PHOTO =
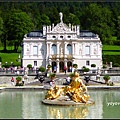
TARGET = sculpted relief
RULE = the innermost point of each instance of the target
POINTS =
(28, 49)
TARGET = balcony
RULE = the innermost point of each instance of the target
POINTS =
(63, 56)
(69, 57)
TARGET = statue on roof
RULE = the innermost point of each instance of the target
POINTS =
(61, 16)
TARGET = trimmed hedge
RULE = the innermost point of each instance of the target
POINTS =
(115, 59)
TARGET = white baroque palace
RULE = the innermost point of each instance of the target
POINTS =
(60, 46)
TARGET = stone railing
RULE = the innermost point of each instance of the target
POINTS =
(55, 56)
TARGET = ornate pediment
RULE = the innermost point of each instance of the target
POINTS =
(61, 28)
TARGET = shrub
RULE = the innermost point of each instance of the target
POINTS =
(72, 75)
(52, 75)
(106, 77)
(93, 65)
(116, 65)
(75, 65)
(86, 69)
(6, 66)
(104, 66)
(49, 66)
(41, 69)
(18, 78)
(83, 67)
(29, 66)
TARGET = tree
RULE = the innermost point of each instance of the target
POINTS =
(98, 20)
(118, 27)
(73, 19)
(45, 20)
(1, 26)
(19, 24)
(2, 31)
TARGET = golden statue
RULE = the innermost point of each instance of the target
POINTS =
(76, 90)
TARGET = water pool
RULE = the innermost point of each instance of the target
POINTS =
(27, 104)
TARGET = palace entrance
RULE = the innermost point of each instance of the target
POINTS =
(54, 66)
(69, 63)
(61, 66)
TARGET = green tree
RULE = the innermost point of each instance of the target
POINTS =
(118, 27)
(98, 20)
(19, 24)
(1, 26)
(2, 31)
(45, 20)
(73, 19)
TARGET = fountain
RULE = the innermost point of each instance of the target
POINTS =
(75, 93)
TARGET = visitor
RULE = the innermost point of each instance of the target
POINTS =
(52, 82)
(55, 69)
(23, 80)
(68, 80)
(12, 81)
(65, 68)
(70, 69)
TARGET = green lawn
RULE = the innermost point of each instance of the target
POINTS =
(10, 57)
(110, 47)
(111, 50)
(111, 53)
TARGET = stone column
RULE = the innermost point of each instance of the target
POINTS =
(58, 45)
(50, 50)
(65, 48)
(65, 62)
(50, 62)
(73, 48)
(47, 49)
(57, 65)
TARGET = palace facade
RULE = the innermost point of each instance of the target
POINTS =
(61, 45)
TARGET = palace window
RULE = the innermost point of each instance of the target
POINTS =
(69, 49)
(87, 50)
(87, 62)
(35, 50)
(69, 36)
(35, 63)
(61, 36)
(54, 49)
(54, 36)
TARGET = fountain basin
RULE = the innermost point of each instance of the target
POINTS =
(64, 101)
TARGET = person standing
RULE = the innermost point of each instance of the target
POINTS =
(68, 80)
(12, 81)
(23, 80)
(65, 68)
(70, 69)
(55, 68)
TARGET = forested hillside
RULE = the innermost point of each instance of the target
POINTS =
(19, 18)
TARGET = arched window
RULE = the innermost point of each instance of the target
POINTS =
(54, 49)
(69, 49)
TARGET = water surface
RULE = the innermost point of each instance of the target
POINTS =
(27, 104)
